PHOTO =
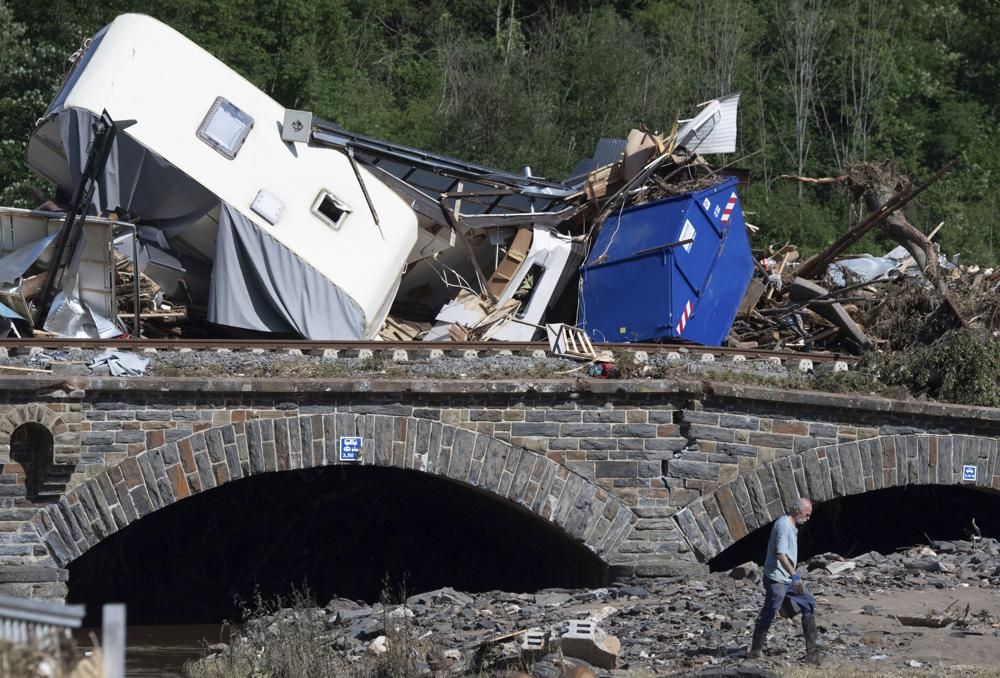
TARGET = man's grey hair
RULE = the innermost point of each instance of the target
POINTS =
(798, 506)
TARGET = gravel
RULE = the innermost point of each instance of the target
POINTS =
(673, 626)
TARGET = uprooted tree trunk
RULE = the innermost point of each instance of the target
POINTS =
(876, 184)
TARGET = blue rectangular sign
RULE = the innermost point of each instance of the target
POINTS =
(350, 448)
(969, 472)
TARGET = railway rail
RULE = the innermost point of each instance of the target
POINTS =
(417, 348)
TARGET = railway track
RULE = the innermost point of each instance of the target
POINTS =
(416, 348)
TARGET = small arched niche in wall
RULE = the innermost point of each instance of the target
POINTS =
(31, 447)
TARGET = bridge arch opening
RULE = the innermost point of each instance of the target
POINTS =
(340, 531)
(880, 520)
(31, 447)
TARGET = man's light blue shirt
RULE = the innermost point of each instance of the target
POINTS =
(784, 539)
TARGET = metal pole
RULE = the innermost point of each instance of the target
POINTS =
(364, 189)
(136, 329)
(113, 640)
(452, 220)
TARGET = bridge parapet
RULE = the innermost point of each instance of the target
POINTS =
(753, 499)
(653, 476)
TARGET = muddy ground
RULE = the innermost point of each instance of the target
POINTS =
(873, 615)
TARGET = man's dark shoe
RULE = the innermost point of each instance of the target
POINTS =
(757, 644)
(813, 655)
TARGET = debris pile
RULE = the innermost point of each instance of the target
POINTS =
(141, 303)
(923, 606)
(585, 261)
(264, 221)
(850, 303)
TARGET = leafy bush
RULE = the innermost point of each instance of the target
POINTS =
(960, 367)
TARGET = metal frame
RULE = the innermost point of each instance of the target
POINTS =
(25, 621)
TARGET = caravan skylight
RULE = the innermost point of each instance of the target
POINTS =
(225, 128)
(330, 210)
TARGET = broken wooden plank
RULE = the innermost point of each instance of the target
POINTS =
(805, 291)
(508, 268)
(930, 622)
(11, 368)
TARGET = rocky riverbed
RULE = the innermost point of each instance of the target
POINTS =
(931, 609)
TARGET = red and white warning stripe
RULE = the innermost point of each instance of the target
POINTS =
(688, 308)
(729, 208)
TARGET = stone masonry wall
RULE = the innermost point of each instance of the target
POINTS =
(657, 447)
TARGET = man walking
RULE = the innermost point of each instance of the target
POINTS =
(783, 585)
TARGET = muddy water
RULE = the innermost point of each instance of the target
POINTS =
(160, 651)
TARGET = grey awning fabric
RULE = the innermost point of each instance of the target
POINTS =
(259, 284)
(134, 179)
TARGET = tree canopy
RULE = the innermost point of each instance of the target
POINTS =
(514, 83)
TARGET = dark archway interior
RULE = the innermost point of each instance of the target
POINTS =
(337, 531)
(31, 447)
(882, 520)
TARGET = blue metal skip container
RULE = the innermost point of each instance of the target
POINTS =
(640, 284)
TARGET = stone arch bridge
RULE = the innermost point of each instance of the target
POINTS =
(652, 477)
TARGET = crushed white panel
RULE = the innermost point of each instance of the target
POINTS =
(70, 315)
(465, 311)
(85, 306)
(713, 130)
(551, 251)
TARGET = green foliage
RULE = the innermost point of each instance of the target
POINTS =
(960, 367)
(512, 83)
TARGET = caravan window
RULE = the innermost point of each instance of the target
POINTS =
(330, 210)
(526, 289)
(225, 128)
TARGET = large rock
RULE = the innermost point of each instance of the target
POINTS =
(584, 640)
(837, 568)
(748, 570)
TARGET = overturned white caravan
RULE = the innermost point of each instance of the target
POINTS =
(259, 220)
(268, 235)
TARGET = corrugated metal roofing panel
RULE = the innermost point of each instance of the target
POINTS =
(607, 151)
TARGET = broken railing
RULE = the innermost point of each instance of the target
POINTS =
(41, 624)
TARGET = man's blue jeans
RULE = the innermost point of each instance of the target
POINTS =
(777, 593)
